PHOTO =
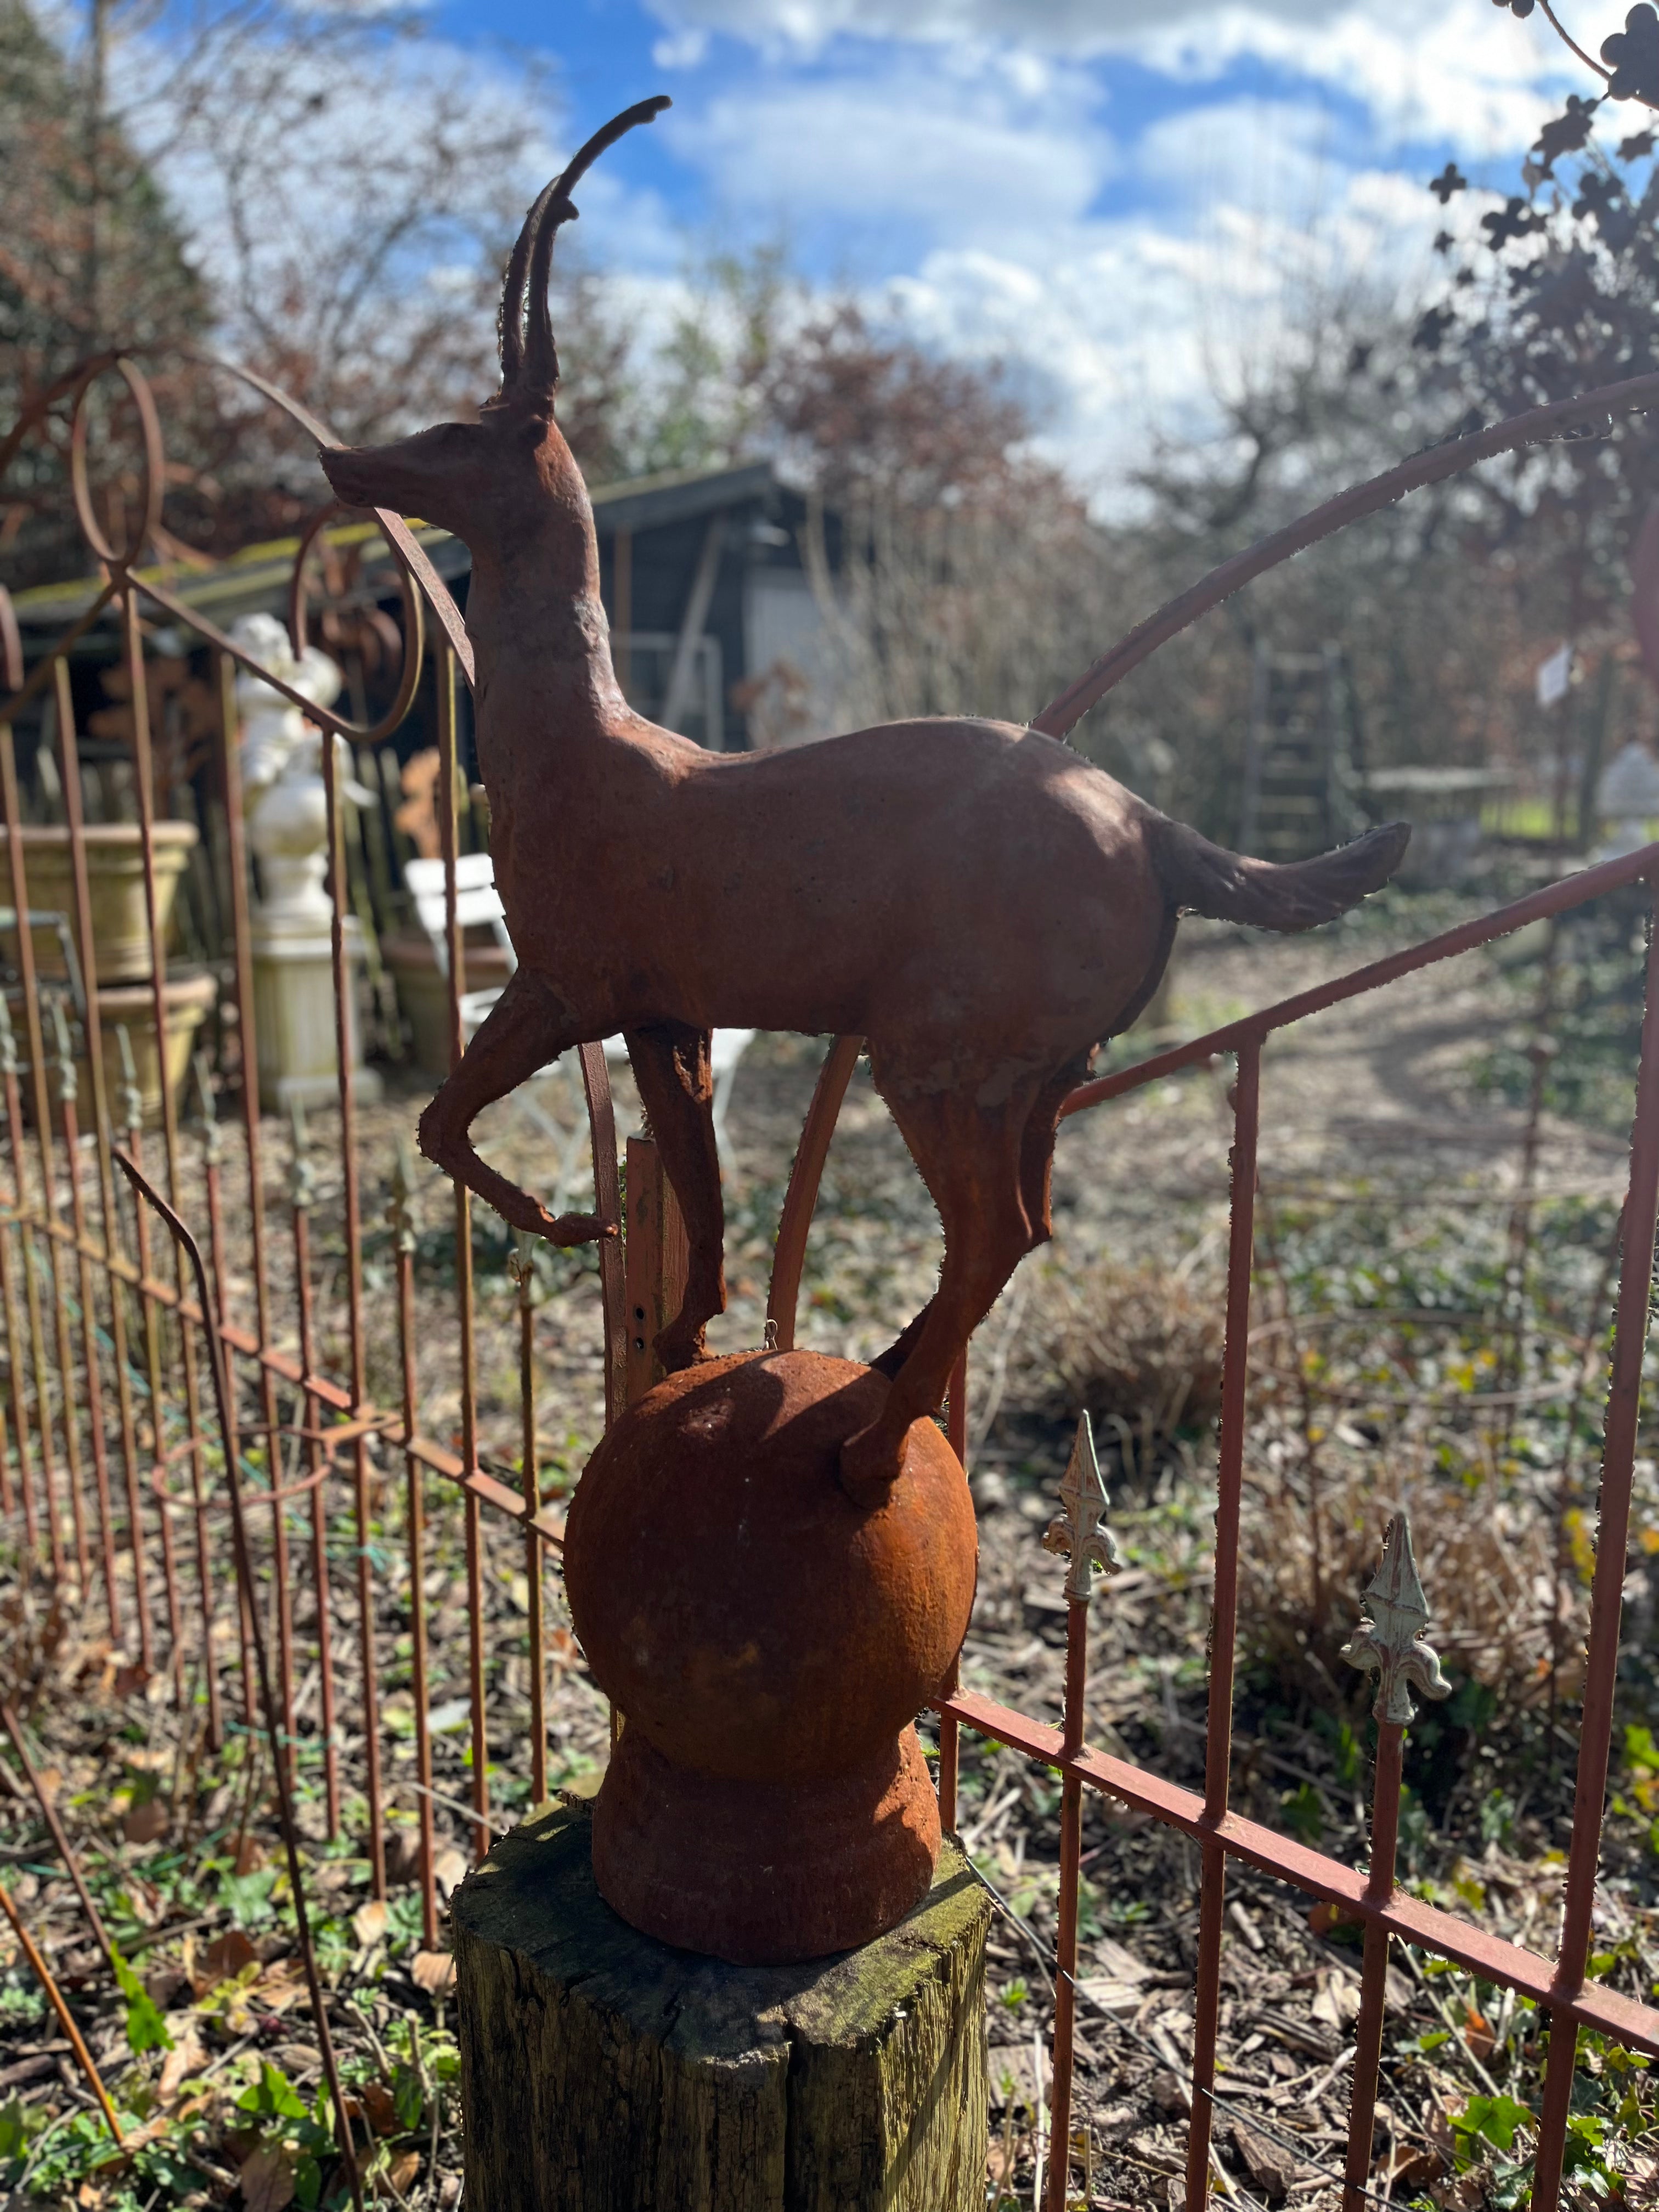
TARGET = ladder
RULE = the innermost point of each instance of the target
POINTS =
(1299, 765)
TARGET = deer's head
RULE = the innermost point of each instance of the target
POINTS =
(495, 480)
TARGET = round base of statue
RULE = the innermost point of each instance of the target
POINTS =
(769, 1643)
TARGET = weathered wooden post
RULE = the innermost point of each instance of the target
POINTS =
(603, 2071)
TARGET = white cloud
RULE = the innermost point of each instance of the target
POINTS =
(1421, 68)
(966, 152)
(683, 49)
(1067, 27)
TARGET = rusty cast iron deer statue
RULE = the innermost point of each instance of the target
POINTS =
(979, 902)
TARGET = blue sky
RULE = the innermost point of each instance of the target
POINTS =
(1115, 198)
(1110, 194)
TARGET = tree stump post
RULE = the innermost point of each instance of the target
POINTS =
(603, 2072)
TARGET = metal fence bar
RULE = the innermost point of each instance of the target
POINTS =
(212, 1157)
(523, 1273)
(790, 1253)
(1224, 1629)
(265, 1377)
(950, 1735)
(67, 1107)
(16, 1383)
(144, 784)
(68, 770)
(345, 1033)
(1447, 1934)
(1607, 1589)
(318, 1469)
(150, 1310)
(1071, 1854)
(1387, 1784)
(448, 793)
(607, 1204)
(401, 1214)
(10, 799)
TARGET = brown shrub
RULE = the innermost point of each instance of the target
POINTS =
(1138, 1347)
(1486, 1563)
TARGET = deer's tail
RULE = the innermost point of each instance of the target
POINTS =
(1206, 878)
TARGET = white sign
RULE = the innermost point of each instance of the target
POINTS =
(1554, 675)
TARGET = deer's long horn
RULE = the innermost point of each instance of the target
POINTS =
(509, 321)
(537, 363)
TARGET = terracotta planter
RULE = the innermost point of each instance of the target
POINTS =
(115, 869)
(190, 1000)
(423, 989)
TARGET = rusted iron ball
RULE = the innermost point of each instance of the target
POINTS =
(770, 1644)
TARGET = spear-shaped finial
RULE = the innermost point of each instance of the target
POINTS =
(212, 1142)
(1080, 1531)
(302, 1177)
(63, 1053)
(521, 1265)
(130, 1099)
(400, 1207)
(1389, 1638)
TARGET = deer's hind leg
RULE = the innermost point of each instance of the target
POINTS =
(1037, 1145)
(969, 1158)
(677, 1090)
(525, 1029)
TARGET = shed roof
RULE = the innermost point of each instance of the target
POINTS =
(257, 577)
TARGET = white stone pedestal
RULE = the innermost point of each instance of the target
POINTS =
(294, 1017)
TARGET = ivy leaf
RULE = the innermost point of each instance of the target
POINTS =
(1514, 220)
(1495, 2120)
(146, 2029)
(1567, 132)
(273, 2096)
(1632, 55)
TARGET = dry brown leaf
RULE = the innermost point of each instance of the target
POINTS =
(249, 1856)
(449, 1868)
(1477, 2032)
(400, 2174)
(167, 1986)
(146, 1823)
(381, 2109)
(280, 1985)
(1417, 2170)
(223, 1960)
(186, 2058)
(1325, 2006)
(145, 1900)
(267, 2179)
(369, 1922)
(433, 1972)
(403, 1857)
(1272, 2168)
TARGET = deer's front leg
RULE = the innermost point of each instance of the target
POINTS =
(677, 1090)
(525, 1029)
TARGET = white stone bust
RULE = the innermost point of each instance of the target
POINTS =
(283, 795)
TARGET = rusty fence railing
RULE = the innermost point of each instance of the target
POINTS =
(1561, 1986)
(114, 1485)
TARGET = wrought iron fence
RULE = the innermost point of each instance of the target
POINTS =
(116, 1486)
